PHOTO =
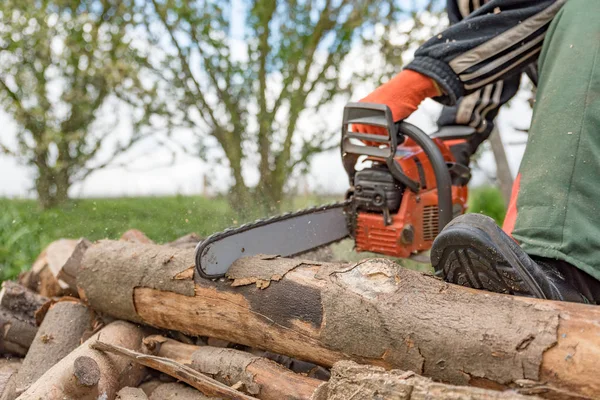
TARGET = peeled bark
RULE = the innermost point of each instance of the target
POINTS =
(262, 378)
(89, 374)
(352, 381)
(373, 312)
(65, 324)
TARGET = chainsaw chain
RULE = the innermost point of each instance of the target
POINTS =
(261, 222)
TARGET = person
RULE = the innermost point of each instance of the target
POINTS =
(549, 246)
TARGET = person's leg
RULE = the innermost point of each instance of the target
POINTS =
(558, 203)
(555, 215)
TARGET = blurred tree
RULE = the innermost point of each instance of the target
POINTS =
(244, 72)
(61, 62)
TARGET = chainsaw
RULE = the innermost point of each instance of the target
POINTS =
(405, 186)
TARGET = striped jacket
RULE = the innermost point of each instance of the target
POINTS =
(480, 58)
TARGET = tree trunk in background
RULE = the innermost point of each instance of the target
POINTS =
(505, 179)
(62, 183)
(52, 189)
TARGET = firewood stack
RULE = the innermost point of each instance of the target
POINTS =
(127, 320)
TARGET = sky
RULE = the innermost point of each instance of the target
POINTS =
(150, 169)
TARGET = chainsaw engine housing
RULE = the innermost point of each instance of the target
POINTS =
(414, 216)
(389, 216)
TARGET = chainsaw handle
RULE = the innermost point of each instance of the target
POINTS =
(378, 115)
(440, 169)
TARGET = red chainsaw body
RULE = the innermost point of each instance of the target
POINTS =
(414, 225)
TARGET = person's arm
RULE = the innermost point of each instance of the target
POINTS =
(499, 39)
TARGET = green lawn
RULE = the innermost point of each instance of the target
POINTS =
(25, 229)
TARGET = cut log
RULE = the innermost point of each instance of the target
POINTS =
(206, 385)
(352, 381)
(8, 373)
(177, 391)
(372, 312)
(262, 378)
(65, 324)
(43, 276)
(19, 299)
(89, 374)
(135, 236)
(130, 393)
(189, 241)
(16, 333)
(149, 386)
(68, 271)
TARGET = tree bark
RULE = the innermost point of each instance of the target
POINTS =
(352, 381)
(68, 270)
(130, 393)
(65, 324)
(262, 378)
(8, 373)
(177, 391)
(89, 374)
(136, 236)
(206, 385)
(372, 312)
(19, 299)
(189, 241)
(43, 276)
(16, 333)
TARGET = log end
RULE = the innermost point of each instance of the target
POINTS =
(86, 371)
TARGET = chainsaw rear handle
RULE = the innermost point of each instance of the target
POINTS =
(380, 115)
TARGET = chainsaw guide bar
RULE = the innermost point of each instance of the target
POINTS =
(291, 234)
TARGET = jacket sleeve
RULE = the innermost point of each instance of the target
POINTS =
(497, 40)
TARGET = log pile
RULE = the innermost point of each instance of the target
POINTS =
(129, 319)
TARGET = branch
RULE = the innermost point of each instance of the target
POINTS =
(4, 149)
(85, 172)
(203, 383)
(316, 34)
(184, 62)
(264, 116)
(17, 102)
(224, 95)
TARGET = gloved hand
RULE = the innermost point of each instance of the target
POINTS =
(402, 94)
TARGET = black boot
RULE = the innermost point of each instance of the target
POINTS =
(473, 251)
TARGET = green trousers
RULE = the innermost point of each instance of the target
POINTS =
(558, 190)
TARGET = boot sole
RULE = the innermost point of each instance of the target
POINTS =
(474, 252)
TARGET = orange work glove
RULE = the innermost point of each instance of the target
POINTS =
(402, 94)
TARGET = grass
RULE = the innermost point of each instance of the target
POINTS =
(25, 229)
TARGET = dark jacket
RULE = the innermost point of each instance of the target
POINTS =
(494, 40)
